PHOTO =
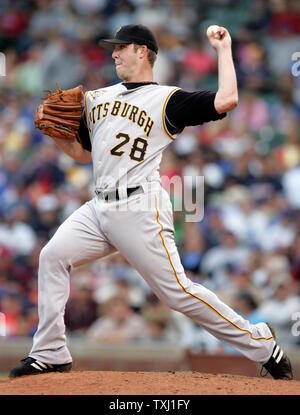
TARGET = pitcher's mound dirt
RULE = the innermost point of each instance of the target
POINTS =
(145, 383)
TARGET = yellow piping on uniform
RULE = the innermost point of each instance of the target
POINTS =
(192, 295)
(163, 113)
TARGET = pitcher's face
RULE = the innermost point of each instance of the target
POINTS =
(126, 61)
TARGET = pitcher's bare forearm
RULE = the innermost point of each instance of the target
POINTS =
(227, 95)
(74, 149)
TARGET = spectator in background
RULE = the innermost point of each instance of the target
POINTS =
(153, 14)
(198, 59)
(164, 325)
(284, 32)
(16, 235)
(47, 219)
(283, 114)
(122, 15)
(258, 18)
(288, 154)
(234, 143)
(291, 186)
(246, 305)
(81, 311)
(117, 324)
(212, 226)
(61, 63)
(11, 307)
(237, 213)
(44, 174)
(252, 68)
(268, 179)
(281, 307)
(228, 252)
(233, 280)
(285, 19)
(27, 323)
(193, 247)
(44, 20)
(280, 234)
(252, 113)
(28, 76)
(11, 177)
(24, 270)
(159, 327)
(5, 268)
(13, 23)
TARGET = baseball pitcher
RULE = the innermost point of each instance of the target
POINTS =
(123, 129)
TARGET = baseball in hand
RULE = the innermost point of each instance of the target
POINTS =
(213, 29)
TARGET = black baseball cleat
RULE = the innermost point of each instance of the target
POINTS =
(30, 366)
(279, 365)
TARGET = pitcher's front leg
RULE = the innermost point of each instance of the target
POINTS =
(77, 241)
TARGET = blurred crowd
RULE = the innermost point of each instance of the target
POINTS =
(247, 246)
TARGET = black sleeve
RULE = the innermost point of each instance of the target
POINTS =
(84, 134)
(190, 108)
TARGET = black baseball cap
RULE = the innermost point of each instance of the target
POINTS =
(132, 33)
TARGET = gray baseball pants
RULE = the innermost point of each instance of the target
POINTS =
(145, 237)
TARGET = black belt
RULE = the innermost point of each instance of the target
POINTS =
(110, 195)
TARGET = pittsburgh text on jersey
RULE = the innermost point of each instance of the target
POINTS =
(124, 110)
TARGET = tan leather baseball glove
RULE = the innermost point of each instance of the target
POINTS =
(60, 113)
